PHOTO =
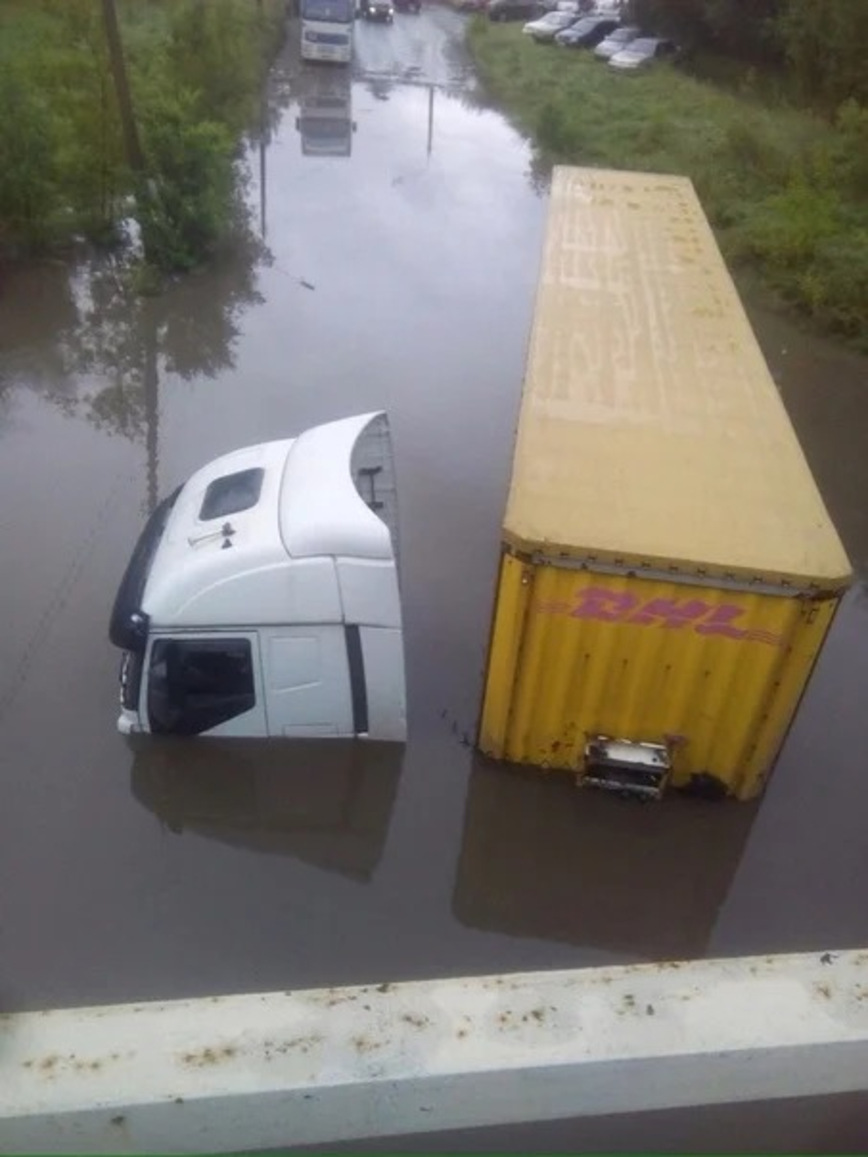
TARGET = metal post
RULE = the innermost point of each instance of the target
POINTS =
(132, 145)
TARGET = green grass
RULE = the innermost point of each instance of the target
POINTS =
(785, 192)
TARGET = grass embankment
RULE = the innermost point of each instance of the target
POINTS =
(195, 72)
(786, 192)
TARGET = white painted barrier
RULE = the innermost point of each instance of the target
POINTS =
(283, 1069)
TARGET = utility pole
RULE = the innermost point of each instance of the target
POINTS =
(132, 146)
(430, 118)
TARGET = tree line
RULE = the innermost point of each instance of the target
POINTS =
(823, 44)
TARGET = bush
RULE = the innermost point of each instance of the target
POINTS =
(29, 193)
(187, 203)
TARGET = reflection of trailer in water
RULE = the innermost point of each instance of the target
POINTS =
(540, 860)
(325, 114)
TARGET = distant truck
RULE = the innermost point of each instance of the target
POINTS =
(669, 571)
(262, 597)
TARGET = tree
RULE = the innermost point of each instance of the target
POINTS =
(827, 46)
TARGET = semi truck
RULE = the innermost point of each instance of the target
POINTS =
(262, 597)
(669, 571)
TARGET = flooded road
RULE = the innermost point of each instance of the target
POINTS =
(397, 269)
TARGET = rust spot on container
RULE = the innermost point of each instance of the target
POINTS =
(462, 1033)
(385, 987)
(649, 1010)
(538, 1014)
(629, 1000)
(823, 990)
(119, 1120)
(179, 1100)
(48, 1064)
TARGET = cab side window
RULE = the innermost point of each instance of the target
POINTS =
(196, 684)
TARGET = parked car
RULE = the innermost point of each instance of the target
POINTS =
(616, 41)
(643, 52)
(381, 10)
(414, 6)
(512, 9)
(544, 28)
(581, 7)
(586, 32)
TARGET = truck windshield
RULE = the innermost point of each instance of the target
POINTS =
(329, 11)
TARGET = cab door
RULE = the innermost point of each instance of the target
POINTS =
(311, 689)
(204, 684)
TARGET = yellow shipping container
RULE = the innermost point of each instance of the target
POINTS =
(669, 570)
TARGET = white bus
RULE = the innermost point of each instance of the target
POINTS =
(327, 30)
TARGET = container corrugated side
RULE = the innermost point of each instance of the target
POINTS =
(713, 673)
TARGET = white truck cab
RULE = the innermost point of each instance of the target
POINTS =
(262, 597)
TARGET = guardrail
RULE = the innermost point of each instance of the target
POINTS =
(255, 1072)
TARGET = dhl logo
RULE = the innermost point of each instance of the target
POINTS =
(703, 618)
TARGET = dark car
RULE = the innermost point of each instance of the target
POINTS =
(378, 10)
(587, 33)
(512, 9)
(414, 6)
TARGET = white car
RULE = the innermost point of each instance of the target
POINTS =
(616, 41)
(643, 52)
(545, 27)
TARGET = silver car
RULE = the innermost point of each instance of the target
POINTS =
(546, 26)
(616, 41)
(643, 52)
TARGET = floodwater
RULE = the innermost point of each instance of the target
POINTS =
(392, 265)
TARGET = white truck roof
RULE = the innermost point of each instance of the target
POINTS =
(256, 535)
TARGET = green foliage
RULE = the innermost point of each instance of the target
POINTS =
(196, 68)
(187, 204)
(213, 50)
(784, 190)
(29, 191)
(827, 46)
(787, 229)
(851, 148)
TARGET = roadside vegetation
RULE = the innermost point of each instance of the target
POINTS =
(776, 145)
(195, 70)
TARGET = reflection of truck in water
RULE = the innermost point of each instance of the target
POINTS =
(325, 115)
(327, 30)
(669, 571)
(262, 596)
(328, 805)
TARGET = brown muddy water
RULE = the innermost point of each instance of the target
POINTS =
(398, 275)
